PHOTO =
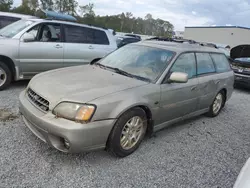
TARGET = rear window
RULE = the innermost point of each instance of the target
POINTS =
(221, 62)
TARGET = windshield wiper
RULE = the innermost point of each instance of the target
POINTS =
(101, 65)
(122, 72)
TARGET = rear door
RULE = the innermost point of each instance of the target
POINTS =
(206, 73)
(43, 54)
(179, 99)
(83, 44)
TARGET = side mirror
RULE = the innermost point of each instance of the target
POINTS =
(178, 77)
(28, 37)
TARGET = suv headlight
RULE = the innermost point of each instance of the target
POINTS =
(74, 111)
(234, 67)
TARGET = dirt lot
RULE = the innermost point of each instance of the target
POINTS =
(202, 152)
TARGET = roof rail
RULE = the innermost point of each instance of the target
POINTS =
(167, 39)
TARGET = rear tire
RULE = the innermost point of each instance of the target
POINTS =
(128, 133)
(217, 105)
(5, 76)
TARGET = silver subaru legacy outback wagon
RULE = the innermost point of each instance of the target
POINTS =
(137, 89)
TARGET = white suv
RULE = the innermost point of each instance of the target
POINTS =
(31, 46)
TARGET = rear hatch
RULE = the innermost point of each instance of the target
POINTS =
(240, 59)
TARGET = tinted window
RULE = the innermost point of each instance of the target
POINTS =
(185, 63)
(100, 37)
(204, 63)
(6, 20)
(221, 62)
(76, 34)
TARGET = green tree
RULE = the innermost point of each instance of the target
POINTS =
(47, 4)
(5, 5)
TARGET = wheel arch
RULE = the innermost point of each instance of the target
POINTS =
(9, 63)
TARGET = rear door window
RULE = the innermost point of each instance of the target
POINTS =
(221, 62)
(77, 34)
(205, 64)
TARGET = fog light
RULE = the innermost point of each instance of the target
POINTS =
(66, 144)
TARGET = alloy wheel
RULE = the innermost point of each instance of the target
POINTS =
(217, 103)
(3, 77)
(132, 132)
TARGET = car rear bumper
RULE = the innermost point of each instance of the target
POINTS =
(62, 134)
(241, 79)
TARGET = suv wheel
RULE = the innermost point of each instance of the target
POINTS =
(5, 76)
(217, 104)
(128, 133)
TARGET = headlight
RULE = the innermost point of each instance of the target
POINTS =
(234, 67)
(74, 111)
(247, 69)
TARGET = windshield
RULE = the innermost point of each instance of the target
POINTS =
(141, 61)
(14, 28)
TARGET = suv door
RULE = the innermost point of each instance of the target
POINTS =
(179, 99)
(83, 44)
(207, 79)
(45, 53)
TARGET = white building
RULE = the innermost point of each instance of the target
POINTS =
(228, 35)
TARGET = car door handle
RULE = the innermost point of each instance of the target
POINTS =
(217, 82)
(193, 88)
(58, 46)
(91, 47)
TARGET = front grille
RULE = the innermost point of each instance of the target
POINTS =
(38, 101)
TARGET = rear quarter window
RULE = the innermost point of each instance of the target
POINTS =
(100, 37)
(221, 62)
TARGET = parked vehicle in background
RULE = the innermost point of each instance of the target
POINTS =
(137, 89)
(7, 18)
(240, 64)
(243, 180)
(32, 46)
(124, 40)
(133, 35)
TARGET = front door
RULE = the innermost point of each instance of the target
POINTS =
(179, 99)
(45, 53)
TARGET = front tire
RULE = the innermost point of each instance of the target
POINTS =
(5, 76)
(128, 133)
(217, 105)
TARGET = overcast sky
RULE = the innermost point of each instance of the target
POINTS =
(180, 13)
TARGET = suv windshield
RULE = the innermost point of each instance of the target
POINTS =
(140, 61)
(14, 28)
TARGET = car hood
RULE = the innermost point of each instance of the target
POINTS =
(243, 180)
(80, 84)
(240, 51)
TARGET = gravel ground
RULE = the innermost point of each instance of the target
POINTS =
(202, 152)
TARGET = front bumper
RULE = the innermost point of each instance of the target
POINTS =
(55, 131)
(242, 79)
